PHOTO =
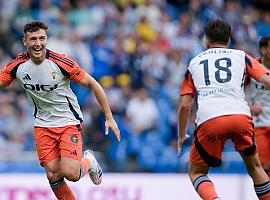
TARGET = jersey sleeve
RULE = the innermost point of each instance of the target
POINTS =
(68, 67)
(5, 76)
(8, 73)
(254, 68)
(188, 86)
(77, 74)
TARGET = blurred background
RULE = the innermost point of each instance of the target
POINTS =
(139, 51)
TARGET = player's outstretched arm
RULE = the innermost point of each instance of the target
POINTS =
(90, 82)
(183, 116)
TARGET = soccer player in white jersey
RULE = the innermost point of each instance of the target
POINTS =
(260, 108)
(216, 76)
(45, 75)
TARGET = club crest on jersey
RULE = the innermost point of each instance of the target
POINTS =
(53, 75)
(74, 139)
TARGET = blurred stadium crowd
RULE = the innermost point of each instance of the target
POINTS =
(138, 50)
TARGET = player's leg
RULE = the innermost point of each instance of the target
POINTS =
(60, 188)
(267, 169)
(49, 156)
(263, 143)
(206, 151)
(73, 165)
(244, 142)
(73, 169)
(201, 182)
(258, 175)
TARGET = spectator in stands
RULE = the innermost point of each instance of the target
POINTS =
(179, 24)
(142, 112)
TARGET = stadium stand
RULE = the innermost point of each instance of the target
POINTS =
(138, 50)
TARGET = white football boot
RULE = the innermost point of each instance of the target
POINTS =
(95, 171)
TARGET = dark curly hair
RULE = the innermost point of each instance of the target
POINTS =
(34, 26)
(218, 31)
(264, 41)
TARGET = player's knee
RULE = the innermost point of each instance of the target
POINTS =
(53, 176)
(71, 173)
(72, 177)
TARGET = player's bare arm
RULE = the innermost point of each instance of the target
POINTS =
(91, 83)
(183, 116)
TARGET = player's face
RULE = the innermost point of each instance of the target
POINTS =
(36, 45)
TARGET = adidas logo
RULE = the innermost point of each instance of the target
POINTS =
(74, 153)
(27, 77)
